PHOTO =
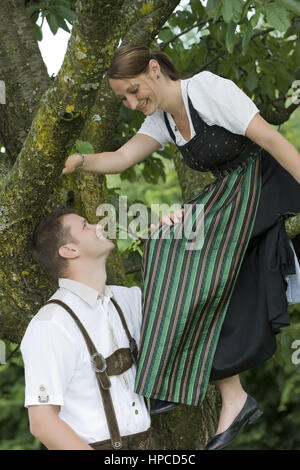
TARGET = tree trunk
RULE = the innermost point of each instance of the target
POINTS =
(24, 72)
(187, 427)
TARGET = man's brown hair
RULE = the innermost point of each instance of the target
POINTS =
(48, 236)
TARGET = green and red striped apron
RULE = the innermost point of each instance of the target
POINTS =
(186, 291)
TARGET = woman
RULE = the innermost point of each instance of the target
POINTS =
(213, 312)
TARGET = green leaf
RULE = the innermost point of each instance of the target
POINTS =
(246, 38)
(153, 170)
(217, 13)
(232, 11)
(291, 5)
(83, 146)
(166, 34)
(219, 31)
(227, 11)
(38, 32)
(66, 13)
(197, 8)
(31, 9)
(230, 37)
(63, 24)
(252, 80)
(277, 17)
(212, 5)
(129, 175)
(199, 55)
(296, 53)
(52, 22)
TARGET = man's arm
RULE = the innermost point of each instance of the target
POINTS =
(53, 432)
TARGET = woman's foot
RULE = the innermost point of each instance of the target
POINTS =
(230, 410)
(248, 414)
(233, 399)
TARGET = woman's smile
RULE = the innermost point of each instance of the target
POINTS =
(143, 104)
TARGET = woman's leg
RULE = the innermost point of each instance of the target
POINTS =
(233, 399)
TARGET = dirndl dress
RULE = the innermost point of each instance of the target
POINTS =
(213, 311)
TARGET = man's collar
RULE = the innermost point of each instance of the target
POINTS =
(86, 293)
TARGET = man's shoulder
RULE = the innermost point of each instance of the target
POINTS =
(50, 321)
(126, 292)
(128, 297)
(53, 315)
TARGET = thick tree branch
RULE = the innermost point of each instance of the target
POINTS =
(277, 113)
(35, 174)
(64, 108)
(155, 15)
(24, 72)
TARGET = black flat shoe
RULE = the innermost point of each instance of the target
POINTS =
(249, 413)
(160, 406)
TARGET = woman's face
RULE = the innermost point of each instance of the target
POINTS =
(141, 92)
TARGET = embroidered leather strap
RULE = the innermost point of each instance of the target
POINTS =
(132, 343)
(103, 368)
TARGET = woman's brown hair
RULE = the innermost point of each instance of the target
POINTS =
(132, 60)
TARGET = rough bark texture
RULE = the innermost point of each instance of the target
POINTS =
(187, 427)
(37, 170)
(24, 72)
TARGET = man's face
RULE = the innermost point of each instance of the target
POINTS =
(88, 238)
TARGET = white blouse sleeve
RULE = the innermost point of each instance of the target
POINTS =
(220, 101)
(154, 126)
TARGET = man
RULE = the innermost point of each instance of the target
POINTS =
(70, 405)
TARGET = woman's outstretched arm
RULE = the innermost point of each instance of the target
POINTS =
(139, 147)
(263, 134)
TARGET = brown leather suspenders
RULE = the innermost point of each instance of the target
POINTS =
(104, 368)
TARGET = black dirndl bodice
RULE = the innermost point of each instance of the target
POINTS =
(230, 301)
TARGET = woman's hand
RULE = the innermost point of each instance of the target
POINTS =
(170, 219)
(108, 163)
(72, 162)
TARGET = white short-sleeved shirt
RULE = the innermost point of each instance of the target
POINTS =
(57, 363)
(219, 101)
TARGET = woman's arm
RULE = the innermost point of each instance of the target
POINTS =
(134, 151)
(263, 134)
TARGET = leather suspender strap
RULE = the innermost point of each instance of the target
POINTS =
(132, 342)
(99, 366)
